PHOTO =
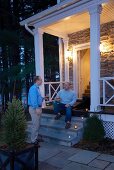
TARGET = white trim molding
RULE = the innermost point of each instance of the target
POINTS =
(60, 11)
(65, 41)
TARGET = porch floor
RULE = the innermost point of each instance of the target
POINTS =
(81, 112)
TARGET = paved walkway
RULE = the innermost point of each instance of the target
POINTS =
(56, 157)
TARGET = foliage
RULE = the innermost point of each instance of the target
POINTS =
(93, 130)
(17, 66)
(14, 125)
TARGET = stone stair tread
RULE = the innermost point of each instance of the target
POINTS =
(59, 135)
(74, 119)
(60, 125)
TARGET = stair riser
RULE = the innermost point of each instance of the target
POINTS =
(87, 91)
(58, 128)
(58, 142)
(57, 131)
(73, 120)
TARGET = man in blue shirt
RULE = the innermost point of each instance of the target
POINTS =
(35, 107)
(64, 100)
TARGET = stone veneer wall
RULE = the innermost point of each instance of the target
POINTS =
(107, 38)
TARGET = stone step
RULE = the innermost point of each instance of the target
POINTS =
(58, 125)
(65, 137)
(54, 131)
(86, 95)
(88, 86)
(74, 119)
(87, 91)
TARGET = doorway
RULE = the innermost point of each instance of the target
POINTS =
(83, 71)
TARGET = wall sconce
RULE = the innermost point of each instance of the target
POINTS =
(69, 55)
(105, 48)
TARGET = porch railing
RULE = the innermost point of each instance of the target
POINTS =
(107, 91)
(51, 89)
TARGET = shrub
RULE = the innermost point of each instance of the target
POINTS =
(14, 125)
(93, 130)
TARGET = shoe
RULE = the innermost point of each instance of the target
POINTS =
(68, 125)
(36, 143)
(58, 116)
(40, 140)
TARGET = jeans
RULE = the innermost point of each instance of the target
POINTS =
(58, 107)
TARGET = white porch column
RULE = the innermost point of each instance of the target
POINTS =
(39, 57)
(75, 69)
(66, 62)
(61, 60)
(95, 57)
(58, 1)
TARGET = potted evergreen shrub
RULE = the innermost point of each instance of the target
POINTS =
(16, 154)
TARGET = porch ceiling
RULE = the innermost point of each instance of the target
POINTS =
(81, 21)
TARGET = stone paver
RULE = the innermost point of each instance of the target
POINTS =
(71, 150)
(110, 167)
(46, 166)
(99, 164)
(60, 160)
(46, 153)
(76, 166)
(84, 157)
(56, 157)
(106, 157)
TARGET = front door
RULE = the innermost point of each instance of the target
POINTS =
(83, 71)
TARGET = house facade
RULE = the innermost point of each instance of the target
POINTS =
(85, 29)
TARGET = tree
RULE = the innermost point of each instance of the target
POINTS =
(17, 45)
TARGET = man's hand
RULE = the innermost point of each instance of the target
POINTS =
(67, 105)
(38, 111)
(58, 99)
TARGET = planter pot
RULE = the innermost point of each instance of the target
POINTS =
(26, 159)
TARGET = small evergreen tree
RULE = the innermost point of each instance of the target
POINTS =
(15, 125)
(93, 130)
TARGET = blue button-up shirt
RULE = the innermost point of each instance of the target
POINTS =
(34, 97)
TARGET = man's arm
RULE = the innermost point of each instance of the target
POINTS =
(57, 98)
(73, 100)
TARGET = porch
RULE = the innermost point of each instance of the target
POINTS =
(82, 105)
(78, 25)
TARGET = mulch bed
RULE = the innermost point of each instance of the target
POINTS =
(105, 146)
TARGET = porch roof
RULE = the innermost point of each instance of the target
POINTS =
(69, 16)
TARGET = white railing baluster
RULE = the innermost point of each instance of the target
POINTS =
(55, 92)
(109, 99)
(51, 87)
(103, 91)
(110, 85)
(106, 82)
(49, 91)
